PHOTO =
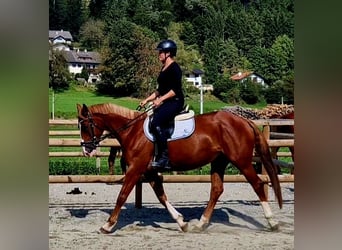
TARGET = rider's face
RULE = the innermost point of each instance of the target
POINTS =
(163, 55)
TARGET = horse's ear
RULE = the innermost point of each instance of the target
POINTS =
(85, 110)
(79, 107)
(82, 111)
(85, 107)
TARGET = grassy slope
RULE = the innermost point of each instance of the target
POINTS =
(65, 102)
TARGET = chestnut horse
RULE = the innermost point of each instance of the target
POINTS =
(219, 138)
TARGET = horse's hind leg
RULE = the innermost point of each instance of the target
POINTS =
(111, 160)
(156, 183)
(292, 155)
(248, 171)
(123, 164)
(217, 172)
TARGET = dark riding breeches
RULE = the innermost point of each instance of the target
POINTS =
(162, 117)
(165, 113)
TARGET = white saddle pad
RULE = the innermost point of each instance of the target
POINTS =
(183, 129)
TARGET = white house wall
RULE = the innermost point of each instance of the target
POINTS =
(75, 69)
(196, 81)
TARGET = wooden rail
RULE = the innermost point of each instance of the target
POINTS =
(118, 179)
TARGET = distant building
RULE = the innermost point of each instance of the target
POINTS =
(254, 77)
(195, 77)
(60, 39)
(77, 60)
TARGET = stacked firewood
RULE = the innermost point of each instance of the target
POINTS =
(270, 111)
(243, 112)
(275, 111)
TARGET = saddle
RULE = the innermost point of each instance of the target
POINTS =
(181, 127)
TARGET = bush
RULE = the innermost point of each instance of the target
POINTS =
(280, 91)
(81, 166)
(250, 92)
(71, 167)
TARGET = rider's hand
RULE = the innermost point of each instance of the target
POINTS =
(157, 102)
(142, 103)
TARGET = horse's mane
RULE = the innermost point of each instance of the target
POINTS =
(106, 108)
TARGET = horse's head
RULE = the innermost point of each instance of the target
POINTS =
(90, 132)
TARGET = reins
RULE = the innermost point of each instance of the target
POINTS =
(130, 122)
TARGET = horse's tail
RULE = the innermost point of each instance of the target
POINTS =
(263, 151)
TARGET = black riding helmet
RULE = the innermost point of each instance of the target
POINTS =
(168, 46)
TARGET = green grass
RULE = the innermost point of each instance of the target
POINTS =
(65, 102)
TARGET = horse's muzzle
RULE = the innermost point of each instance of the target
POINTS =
(89, 149)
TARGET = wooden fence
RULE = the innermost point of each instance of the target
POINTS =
(70, 138)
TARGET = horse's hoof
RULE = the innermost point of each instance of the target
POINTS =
(274, 225)
(198, 228)
(104, 231)
(185, 227)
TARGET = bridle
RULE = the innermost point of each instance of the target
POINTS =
(94, 142)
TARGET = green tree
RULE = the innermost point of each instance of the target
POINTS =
(231, 62)
(147, 62)
(275, 63)
(188, 57)
(282, 51)
(75, 17)
(280, 91)
(58, 12)
(188, 34)
(245, 29)
(92, 34)
(261, 63)
(114, 11)
(59, 75)
(227, 90)
(277, 19)
(211, 58)
(96, 8)
(124, 59)
(250, 92)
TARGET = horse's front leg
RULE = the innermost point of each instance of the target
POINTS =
(130, 181)
(156, 183)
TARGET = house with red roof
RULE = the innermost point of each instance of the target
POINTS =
(254, 77)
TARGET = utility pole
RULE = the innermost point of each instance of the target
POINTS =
(201, 99)
(53, 104)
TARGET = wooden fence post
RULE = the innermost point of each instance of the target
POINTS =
(98, 161)
(266, 132)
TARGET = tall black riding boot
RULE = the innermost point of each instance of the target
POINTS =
(161, 162)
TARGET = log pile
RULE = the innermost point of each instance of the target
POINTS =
(269, 112)
(275, 111)
(243, 112)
